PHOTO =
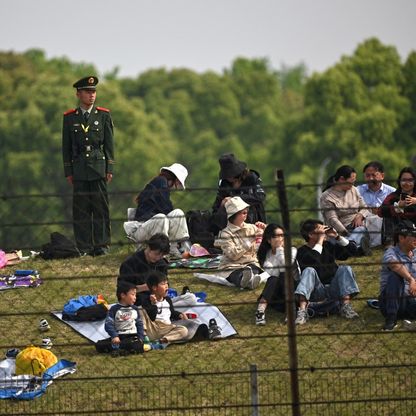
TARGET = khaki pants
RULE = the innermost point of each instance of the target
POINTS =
(173, 225)
(156, 330)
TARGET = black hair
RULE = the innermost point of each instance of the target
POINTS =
(123, 286)
(159, 242)
(406, 169)
(308, 226)
(344, 171)
(265, 245)
(378, 166)
(167, 174)
(155, 277)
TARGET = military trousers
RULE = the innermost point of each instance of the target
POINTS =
(91, 216)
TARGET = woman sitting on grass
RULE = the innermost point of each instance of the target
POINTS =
(271, 257)
(238, 244)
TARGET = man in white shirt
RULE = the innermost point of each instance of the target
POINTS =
(374, 191)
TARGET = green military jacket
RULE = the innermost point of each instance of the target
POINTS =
(88, 148)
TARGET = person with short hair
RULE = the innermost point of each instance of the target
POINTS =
(123, 323)
(236, 179)
(321, 278)
(155, 212)
(398, 277)
(136, 268)
(374, 191)
(237, 240)
(158, 312)
(88, 156)
(343, 208)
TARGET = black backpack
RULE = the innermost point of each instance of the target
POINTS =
(198, 222)
(60, 247)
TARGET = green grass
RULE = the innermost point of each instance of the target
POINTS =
(346, 367)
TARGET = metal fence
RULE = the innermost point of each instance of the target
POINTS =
(327, 367)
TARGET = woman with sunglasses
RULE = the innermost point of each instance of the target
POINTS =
(400, 204)
(271, 257)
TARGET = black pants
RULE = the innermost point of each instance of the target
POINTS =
(91, 215)
(129, 343)
(236, 276)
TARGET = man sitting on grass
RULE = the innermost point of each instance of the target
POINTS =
(398, 277)
(322, 279)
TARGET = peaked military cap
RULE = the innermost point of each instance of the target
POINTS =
(87, 83)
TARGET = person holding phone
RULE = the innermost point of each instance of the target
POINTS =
(399, 205)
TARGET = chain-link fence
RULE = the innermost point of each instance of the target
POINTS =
(342, 367)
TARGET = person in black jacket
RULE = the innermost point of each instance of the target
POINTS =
(158, 311)
(237, 180)
(321, 278)
(136, 268)
(155, 212)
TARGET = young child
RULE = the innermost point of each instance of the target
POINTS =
(123, 323)
(158, 312)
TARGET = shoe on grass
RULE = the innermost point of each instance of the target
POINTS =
(247, 276)
(301, 317)
(214, 331)
(390, 324)
(260, 318)
(348, 312)
(254, 282)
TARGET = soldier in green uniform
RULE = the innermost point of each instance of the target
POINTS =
(88, 153)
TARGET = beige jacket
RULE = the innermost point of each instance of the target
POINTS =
(238, 245)
(339, 208)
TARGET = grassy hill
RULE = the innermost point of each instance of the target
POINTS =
(345, 367)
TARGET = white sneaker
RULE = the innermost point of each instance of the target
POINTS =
(47, 343)
(44, 325)
(254, 282)
(260, 318)
(301, 317)
(409, 325)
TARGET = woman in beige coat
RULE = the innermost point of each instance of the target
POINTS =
(238, 242)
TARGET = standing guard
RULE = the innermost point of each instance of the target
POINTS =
(88, 154)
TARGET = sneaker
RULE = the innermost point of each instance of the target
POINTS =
(44, 325)
(365, 244)
(245, 280)
(260, 318)
(348, 312)
(12, 352)
(390, 324)
(409, 325)
(254, 282)
(301, 317)
(47, 343)
(214, 331)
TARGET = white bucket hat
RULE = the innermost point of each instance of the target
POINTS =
(179, 171)
(234, 205)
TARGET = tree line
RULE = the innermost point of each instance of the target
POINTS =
(360, 109)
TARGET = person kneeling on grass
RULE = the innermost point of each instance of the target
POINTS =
(238, 244)
(321, 278)
(158, 311)
(123, 324)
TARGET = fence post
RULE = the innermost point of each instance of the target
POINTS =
(289, 295)
(254, 390)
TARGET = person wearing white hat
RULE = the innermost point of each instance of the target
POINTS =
(238, 243)
(155, 212)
